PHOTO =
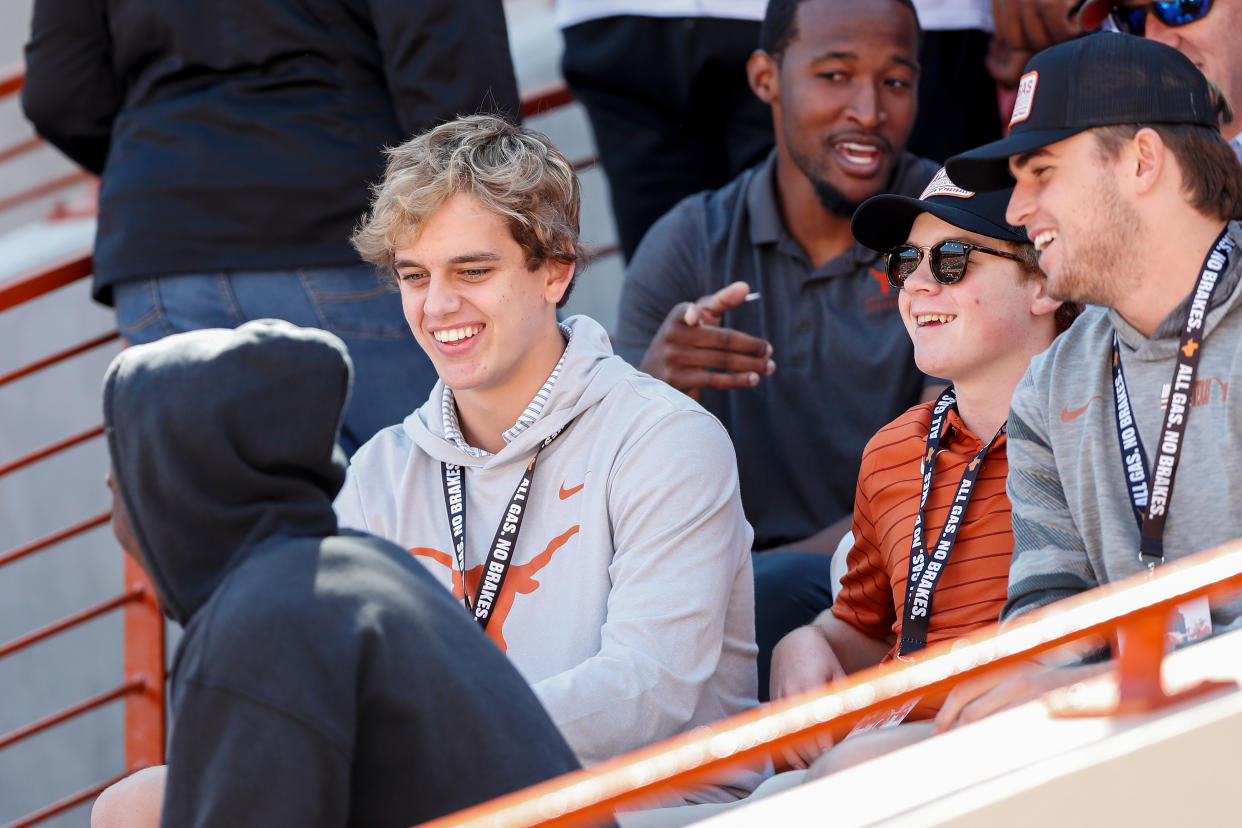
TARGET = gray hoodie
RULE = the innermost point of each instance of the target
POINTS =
(1073, 524)
(629, 605)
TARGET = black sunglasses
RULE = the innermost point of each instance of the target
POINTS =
(1133, 19)
(948, 261)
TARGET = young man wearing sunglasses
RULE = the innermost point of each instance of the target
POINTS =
(1206, 31)
(932, 540)
(1133, 200)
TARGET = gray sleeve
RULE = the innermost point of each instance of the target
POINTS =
(666, 269)
(1049, 556)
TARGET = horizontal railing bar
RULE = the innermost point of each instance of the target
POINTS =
(589, 796)
(546, 98)
(134, 686)
(584, 164)
(54, 538)
(12, 78)
(43, 189)
(49, 450)
(61, 805)
(70, 621)
(27, 286)
(21, 148)
(60, 356)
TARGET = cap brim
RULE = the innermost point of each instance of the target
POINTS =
(882, 222)
(986, 168)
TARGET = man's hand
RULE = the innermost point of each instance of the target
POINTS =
(804, 660)
(975, 699)
(691, 351)
(1036, 24)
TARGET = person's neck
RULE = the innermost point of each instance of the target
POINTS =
(982, 407)
(823, 235)
(1170, 269)
(983, 398)
(486, 414)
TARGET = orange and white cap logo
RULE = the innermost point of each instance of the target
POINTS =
(1026, 98)
(942, 185)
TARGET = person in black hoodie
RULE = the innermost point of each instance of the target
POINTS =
(324, 678)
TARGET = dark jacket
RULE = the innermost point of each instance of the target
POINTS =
(243, 134)
(324, 678)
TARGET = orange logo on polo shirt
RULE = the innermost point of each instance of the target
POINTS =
(1026, 98)
(520, 580)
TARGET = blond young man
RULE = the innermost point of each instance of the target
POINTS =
(977, 310)
(585, 514)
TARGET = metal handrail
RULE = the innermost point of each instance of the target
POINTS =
(1135, 610)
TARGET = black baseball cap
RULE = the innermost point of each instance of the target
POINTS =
(882, 222)
(1098, 80)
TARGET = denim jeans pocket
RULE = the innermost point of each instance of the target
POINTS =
(139, 314)
(354, 302)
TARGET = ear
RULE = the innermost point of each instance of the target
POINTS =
(557, 275)
(764, 76)
(1147, 148)
(1041, 303)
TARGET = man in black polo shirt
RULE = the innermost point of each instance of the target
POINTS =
(841, 77)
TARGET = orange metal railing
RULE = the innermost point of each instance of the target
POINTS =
(1134, 613)
(141, 689)
(142, 686)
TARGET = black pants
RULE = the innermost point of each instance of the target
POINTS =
(670, 106)
(957, 96)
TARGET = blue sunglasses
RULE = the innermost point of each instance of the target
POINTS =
(1133, 19)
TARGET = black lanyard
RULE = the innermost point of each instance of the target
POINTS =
(500, 555)
(925, 574)
(1150, 494)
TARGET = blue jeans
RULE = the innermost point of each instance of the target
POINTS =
(791, 589)
(392, 375)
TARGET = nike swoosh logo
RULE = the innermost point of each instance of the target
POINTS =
(568, 493)
(1067, 415)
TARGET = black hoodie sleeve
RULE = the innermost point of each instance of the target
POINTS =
(72, 93)
(236, 762)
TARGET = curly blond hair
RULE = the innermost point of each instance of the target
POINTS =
(513, 171)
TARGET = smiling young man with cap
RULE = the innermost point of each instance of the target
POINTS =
(975, 306)
(1132, 197)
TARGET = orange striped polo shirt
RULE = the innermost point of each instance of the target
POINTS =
(972, 586)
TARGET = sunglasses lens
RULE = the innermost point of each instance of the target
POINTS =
(1182, 12)
(900, 262)
(948, 261)
(1132, 20)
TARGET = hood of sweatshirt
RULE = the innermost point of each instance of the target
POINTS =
(1166, 338)
(221, 440)
(590, 370)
